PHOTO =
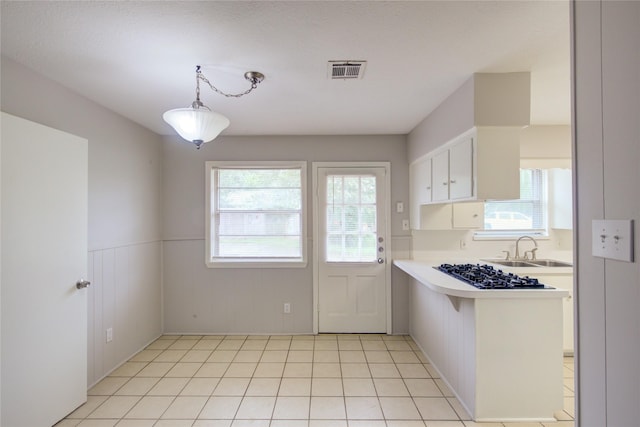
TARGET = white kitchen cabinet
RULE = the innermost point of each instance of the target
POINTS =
(420, 189)
(451, 216)
(481, 164)
(461, 170)
(453, 172)
(560, 281)
(563, 282)
(561, 200)
(468, 215)
(436, 217)
(440, 165)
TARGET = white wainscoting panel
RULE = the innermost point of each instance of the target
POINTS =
(125, 295)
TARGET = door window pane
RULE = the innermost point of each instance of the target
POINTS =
(351, 218)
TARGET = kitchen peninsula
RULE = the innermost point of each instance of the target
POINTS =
(500, 351)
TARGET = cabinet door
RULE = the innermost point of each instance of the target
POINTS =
(436, 217)
(440, 182)
(468, 215)
(563, 282)
(421, 174)
(420, 185)
(461, 170)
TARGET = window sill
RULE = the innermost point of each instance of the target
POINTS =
(248, 263)
(510, 235)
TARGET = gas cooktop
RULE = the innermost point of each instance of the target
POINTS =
(487, 277)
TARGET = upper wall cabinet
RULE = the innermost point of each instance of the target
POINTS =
(461, 170)
(453, 172)
(451, 216)
(419, 189)
(481, 164)
(440, 167)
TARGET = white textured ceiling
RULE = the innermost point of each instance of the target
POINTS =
(138, 58)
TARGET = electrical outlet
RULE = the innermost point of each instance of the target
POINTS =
(287, 308)
(405, 224)
(109, 334)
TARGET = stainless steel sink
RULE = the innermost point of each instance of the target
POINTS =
(548, 263)
(510, 263)
(529, 263)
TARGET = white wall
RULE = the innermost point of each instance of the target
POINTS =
(607, 147)
(452, 118)
(202, 300)
(545, 142)
(485, 99)
(125, 165)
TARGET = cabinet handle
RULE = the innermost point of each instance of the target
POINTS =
(428, 188)
(453, 181)
(444, 183)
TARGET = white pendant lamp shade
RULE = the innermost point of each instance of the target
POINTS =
(197, 125)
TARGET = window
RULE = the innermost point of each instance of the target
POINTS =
(351, 218)
(256, 214)
(527, 215)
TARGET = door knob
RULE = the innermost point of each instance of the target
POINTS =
(380, 260)
(81, 284)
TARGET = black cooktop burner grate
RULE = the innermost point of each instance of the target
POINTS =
(487, 277)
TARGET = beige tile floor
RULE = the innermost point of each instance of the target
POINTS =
(282, 381)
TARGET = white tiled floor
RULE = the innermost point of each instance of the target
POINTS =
(282, 381)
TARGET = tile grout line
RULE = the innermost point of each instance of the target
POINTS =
(276, 395)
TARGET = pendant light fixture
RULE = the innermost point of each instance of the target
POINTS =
(198, 124)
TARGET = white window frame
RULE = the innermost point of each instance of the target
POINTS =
(214, 262)
(538, 233)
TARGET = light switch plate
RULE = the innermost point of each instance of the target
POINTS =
(399, 207)
(612, 239)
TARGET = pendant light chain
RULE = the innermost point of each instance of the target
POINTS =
(253, 79)
(198, 124)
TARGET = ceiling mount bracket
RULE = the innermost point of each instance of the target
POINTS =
(254, 77)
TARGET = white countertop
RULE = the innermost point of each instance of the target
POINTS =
(438, 281)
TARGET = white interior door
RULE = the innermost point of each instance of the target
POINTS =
(352, 208)
(44, 253)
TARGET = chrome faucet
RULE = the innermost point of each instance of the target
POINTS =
(533, 251)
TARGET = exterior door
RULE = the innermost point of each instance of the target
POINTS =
(352, 246)
(44, 254)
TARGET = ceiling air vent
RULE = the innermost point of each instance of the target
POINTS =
(343, 70)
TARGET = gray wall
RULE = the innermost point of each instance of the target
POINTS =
(453, 117)
(125, 165)
(607, 154)
(485, 99)
(202, 300)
